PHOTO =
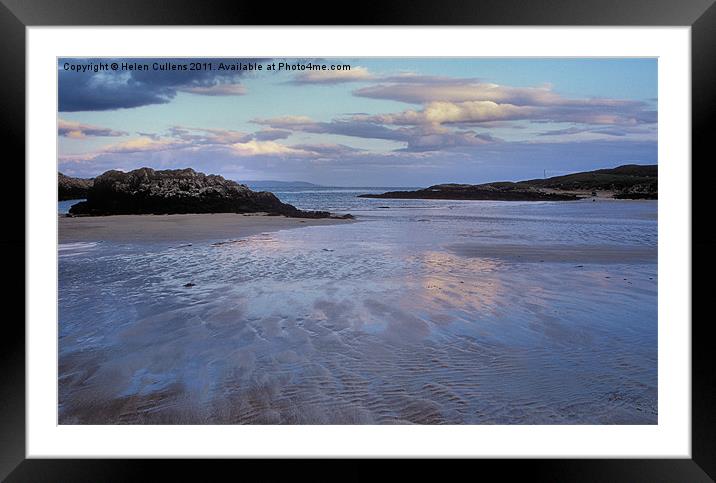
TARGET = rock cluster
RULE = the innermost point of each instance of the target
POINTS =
(147, 191)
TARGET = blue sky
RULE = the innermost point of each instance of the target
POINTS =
(388, 122)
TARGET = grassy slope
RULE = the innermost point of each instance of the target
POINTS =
(617, 179)
(628, 181)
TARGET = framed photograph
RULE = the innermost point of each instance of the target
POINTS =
(455, 231)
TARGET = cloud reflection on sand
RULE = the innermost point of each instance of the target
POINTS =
(374, 322)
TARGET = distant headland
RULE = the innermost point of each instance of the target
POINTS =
(624, 182)
(279, 184)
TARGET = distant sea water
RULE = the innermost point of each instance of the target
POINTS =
(63, 207)
(423, 311)
(335, 199)
(313, 198)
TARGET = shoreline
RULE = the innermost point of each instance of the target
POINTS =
(192, 227)
(292, 327)
(544, 194)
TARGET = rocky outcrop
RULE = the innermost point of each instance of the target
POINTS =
(72, 188)
(492, 191)
(146, 191)
(624, 182)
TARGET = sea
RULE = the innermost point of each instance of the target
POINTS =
(419, 312)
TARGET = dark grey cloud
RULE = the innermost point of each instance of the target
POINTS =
(122, 89)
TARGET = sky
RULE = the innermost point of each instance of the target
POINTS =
(383, 122)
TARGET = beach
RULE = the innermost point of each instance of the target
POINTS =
(176, 228)
(371, 240)
(419, 312)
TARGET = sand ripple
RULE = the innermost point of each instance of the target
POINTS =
(351, 325)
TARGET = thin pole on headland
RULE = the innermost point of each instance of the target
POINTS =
(544, 173)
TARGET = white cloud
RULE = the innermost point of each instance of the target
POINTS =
(143, 144)
(77, 130)
(261, 148)
(446, 100)
(437, 113)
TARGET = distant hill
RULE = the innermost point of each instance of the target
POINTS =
(624, 182)
(279, 184)
(628, 179)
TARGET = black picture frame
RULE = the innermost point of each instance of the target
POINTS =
(16, 15)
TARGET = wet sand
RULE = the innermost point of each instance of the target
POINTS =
(435, 315)
(558, 253)
(177, 228)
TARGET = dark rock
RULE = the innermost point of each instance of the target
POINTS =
(637, 193)
(72, 188)
(146, 191)
(189, 284)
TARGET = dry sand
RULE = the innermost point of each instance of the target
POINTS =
(186, 227)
